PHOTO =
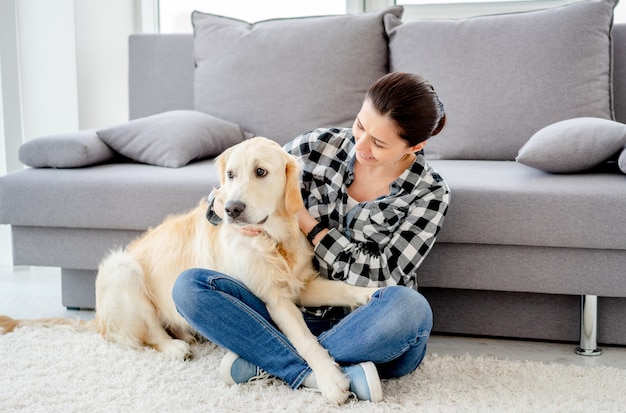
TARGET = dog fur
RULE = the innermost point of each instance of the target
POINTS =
(260, 190)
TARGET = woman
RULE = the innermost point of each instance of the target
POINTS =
(373, 208)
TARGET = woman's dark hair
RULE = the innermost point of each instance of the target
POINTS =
(411, 103)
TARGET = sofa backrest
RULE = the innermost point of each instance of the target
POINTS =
(504, 77)
(161, 73)
(619, 71)
(276, 78)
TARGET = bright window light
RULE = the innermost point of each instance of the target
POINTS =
(452, 1)
(175, 15)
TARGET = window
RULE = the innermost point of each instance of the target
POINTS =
(175, 15)
(415, 9)
(447, 2)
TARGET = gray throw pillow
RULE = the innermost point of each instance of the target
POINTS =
(504, 77)
(173, 138)
(69, 150)
(280, 78)
(573, 145)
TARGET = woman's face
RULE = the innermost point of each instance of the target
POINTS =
(377, 139)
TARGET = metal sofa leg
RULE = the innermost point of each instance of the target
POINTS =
(588, 326)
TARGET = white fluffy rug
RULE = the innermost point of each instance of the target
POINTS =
(55, 370)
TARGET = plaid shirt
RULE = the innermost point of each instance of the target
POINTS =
(376, 243)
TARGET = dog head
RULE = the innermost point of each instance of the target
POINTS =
(259, 181)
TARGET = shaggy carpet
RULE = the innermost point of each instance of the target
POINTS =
(57, 370)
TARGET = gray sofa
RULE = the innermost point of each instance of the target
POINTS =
(522, 242)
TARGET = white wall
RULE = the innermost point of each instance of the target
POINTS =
(10, 90)
(102, 30)
(47, 56)
(5, 236)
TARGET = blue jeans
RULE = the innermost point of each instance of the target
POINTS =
(391, 330)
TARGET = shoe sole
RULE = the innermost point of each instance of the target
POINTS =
(226, 365)
(373, 381)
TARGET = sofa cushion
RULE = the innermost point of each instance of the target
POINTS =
(507, 203)
(125, 196)
(495, 202)
(280, 78)
(69, 150)
(573, 145)
(173, 138)
(504, 77)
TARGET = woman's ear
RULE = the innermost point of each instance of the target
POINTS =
(418, 147)
(293, 196)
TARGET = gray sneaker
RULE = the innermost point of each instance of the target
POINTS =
(364, 381)
(235, 370)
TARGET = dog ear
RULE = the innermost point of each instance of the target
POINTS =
(293, 197)
(220, 162)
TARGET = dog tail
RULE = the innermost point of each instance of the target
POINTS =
(8, 324)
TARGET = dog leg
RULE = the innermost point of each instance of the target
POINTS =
(124, 313)
(321, 291)
(332, 382)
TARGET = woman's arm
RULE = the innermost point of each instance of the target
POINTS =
(395, 262)
(307, 223)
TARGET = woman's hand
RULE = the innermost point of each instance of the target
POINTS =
(307, 222)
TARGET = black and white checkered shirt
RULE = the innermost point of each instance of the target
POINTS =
(376, 243)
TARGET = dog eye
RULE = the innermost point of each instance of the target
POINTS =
(260, 172)
(230, 174)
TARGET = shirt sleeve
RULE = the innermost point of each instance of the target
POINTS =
(299, 146)
(396, 262)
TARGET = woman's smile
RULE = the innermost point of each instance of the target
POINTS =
(365, 156)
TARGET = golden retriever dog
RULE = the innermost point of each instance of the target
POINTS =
(134, 304)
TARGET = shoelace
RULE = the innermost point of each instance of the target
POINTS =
(260, 375)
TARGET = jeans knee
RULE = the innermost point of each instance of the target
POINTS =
(412, 309)
(187, 285)
(182, 284)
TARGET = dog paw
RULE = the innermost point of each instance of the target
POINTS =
(365, 295)
(333, 384)
(372, 291)
(176, 349)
